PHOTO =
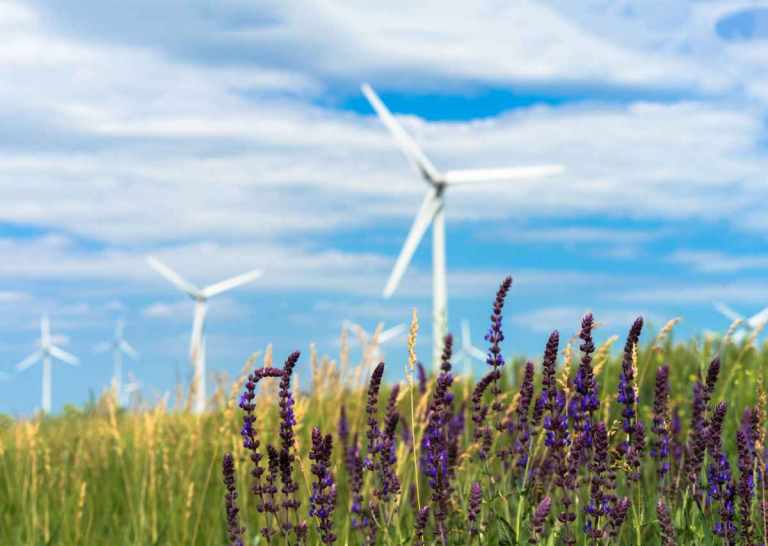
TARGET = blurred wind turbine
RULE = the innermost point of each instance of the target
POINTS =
(371, 343)
(119, 347)
(468, 352)
(47, 352)
(201, 297)
(132, 387)
(431, 212)
(747, 325)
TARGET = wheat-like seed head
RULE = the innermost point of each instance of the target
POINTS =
(601, 356)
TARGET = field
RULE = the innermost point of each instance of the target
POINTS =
(591, 445)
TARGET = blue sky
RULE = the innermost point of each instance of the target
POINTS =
(233, 136)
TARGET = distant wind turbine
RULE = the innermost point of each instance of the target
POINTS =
(431, 212)
(47, 352)
(747, 324)
(119, 347)
(468, 352)
(367, 339)
(200, 297)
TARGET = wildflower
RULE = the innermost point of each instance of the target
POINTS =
(422, 516)
(422, 375)
(616, 517)
(291, 502)
(475, 498)
(250, 437)
(660, 424)
(538, 519)
(480, 412)
(746, 484)
(233, 518)
(665, 524)
(598, 504)
(495, 336)
(323, 498)
(627, 395)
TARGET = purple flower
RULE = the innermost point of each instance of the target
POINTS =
(697, 439)
(495, 336)
(660, 426)
(616, 518)
(665, 524)
(473, 512)
(435, 447)
(422, 375)
(598, 505)
(422, 517)
(230, 499)
(251, 440)
(746, 484)
(287, 445)
(539, 519)
(323, 498)
(482, 431)
(627, 395)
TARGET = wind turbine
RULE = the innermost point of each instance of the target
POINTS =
(119, 347)
(468, 351)
(431, 212)
(747, 324)
(366, 339)
(200, 297)
(47, 352)
(132, 387)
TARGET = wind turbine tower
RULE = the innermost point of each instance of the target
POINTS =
(119, 347)
(200, 296)
(47, 353)
(432, 212)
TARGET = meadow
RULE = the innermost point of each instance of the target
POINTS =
(638, 441)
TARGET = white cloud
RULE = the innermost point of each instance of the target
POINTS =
(718, 262)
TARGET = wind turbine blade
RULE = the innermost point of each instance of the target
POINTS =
(391, 333)
(728, 312)
(427, 211)
(127, 349)
(29, 361)
(466, 340)
(172, 276)
(476, 353)
(404, 141)
(64, 356)
(229, 284)
(758, 318)
(471, 176)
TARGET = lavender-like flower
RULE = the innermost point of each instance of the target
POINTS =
(539, 519)
(616, 518)
(598, 504)
(435, 447)
(746, 484)
(585, 401)
(665, 524)
(291, 502)
(251, 440)
(482, 432)
(475, 499)
(660, 425)
(697, 439)
(627, 395)
(495, 336)
(372, 410)
(422, 376)
(521, 429)
(323, 498)
(230, 499)
(422, 517)
(343, 429)
(635, 452)
(549, 371)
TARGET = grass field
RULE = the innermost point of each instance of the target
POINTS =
(599, 459)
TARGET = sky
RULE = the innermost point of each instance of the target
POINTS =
(223, 137)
